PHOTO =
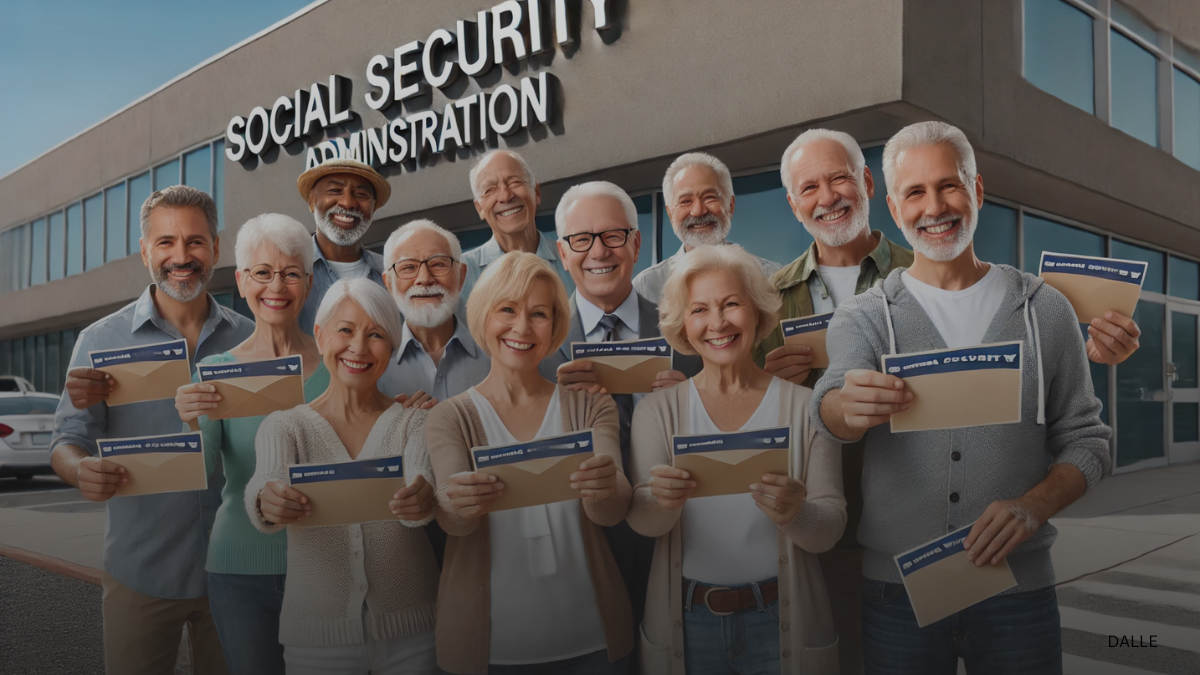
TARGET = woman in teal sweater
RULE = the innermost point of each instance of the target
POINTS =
(246, 567)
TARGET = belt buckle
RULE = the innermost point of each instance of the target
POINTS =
(709, 592)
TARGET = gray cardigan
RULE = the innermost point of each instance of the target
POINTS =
(908, 478)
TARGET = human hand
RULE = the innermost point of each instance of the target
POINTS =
(780, 497)
(670, 486)
(414, 501)
(790, 362)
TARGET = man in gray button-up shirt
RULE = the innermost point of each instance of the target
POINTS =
(154, 545)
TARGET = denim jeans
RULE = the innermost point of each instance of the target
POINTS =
(595, 663)
(1014, 634)
(246, 610)
(743, 643)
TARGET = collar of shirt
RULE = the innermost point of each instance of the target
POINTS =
(461, 335)
(144, 310)
(590, 315)
(806, 265)
(491, 250)
(374, 260)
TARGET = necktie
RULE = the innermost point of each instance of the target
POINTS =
(608, 324)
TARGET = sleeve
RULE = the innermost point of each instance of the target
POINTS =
(274, 448)
(819, 523)
(76, 427)
(649, 447)
(212, 435)
(606, 435)
(447, 444)
(416, 456)
(851, 347)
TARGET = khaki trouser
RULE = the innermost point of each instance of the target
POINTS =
(142, 634)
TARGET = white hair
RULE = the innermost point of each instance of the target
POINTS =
(488, 157)
(924, 134)
(410, 228)
(373, 298)
(596, 188)
(283, 232)
(857, 161)
(689, 160)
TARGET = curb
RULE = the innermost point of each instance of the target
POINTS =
(52, 564)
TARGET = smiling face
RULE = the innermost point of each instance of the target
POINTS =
(343, 204)
(519, 332)
(179, 251)
(603, 275)
(275, 302)
(826, 196)
(700, 215)
(506, 200)
(721, 320)
(426, 301)
(355, 349)
(934, 208)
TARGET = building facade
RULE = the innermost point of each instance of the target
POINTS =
(1085, 117)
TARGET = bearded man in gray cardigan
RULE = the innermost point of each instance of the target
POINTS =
(1008, 480)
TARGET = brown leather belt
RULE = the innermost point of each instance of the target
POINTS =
(722, 600)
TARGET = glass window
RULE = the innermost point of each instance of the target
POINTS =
(6, 258)
(1185, 279)
(139, 191)
(881, 218)
(37, 255)
(58, 245)
(5, 358)
(1134, 23)
(66, 351)
(1187, 119)
(17, 365)
(1155, 274)
(1134, 89)
(93, 216)
(115, 223)
(1058, 52)
(197, 169)
(474, 238)
(31, 365)
(28, 405)
(645, 213)
(74, 239)
(1046, 235)
(996, 234)
(39, 362)
(224, 299)
(54, 378)
(1187, 57)
(166, 175)
(21, 248)
(1140, 393)
(1099, 384)
(218, 187)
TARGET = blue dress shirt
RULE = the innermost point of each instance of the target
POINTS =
(463, 366)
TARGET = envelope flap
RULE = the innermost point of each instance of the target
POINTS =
(253, 384)
(154, 459)
(731, 457)
(536, 466)
(139, 368)
(623, 362)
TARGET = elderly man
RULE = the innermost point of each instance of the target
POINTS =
(154, 545)
(507, 197)
(1004, 481)
(343, 195)
(698, 192)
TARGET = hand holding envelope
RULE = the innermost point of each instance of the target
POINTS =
(253, 388)
(627, 366)
(541, 471)
(729, 463)
(144, 372)
(414, 501)
(282, 504)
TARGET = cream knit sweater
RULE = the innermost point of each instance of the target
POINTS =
(334, 571)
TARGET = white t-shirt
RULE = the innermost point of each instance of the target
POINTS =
(839, 283)
(727, 540)
(962, 317)
(359, 269)
(543, 604)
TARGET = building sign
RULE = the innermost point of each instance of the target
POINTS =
(510, 32)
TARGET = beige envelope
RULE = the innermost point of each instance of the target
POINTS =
(147, 380)
(966, 398)
(815, 340)
(346, 502)
(951, 585)
(156, 472)
(730, 472)
(1091, 297)
(257, 395)
(628, 374)
(545, 480)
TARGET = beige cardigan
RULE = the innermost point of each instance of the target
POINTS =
(807, 641)
(464, 594)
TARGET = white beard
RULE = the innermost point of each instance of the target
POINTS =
(427, 316)
(947, 250)
(860, 222)
(716, 237)
(336, 234)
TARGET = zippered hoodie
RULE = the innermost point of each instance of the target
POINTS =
(913, 489)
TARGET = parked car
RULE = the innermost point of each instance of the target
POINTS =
(15, 383)
(26, 427)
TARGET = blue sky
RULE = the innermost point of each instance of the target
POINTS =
(67, 64)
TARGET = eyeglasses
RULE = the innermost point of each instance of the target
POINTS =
(438, 265)
(265, 274)
(582, 242)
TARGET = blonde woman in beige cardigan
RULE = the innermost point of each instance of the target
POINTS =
(735, 586)
(534, 589)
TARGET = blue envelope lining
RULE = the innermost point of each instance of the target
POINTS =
(185, 442)
(761, 439)
(380, 467)
(808, 324)
(175, 350)
(651, 347)
(559, 446)
(1006, 356)
(286, 365)
(931, 553)
(1127, 271)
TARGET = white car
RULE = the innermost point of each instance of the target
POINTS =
(26, 427)
(15, 383)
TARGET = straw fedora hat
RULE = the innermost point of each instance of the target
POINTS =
(309, 178)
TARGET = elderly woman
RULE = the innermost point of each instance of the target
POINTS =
(735, 586)
(534, 589)
(246, 567)
(359, 598)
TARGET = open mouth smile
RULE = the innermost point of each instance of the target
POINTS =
(519, 347)
(272, 303)
(343, 221)
(834, 215)
(942, 227)
(510, 212)
(600, 270)
(355, 366)
(722, 342)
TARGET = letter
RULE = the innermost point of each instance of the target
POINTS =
(1152, 639)
(339, 100)
(300, 104)
(380, 81)
(483, 116)
(310, 159)
(235, 145)
(328, 150)
(399, 151)
(536, 45)
(424, 130)
(280, 137)
(449, 129)
(562, 29)
(316, 109)
(483, 51)
(502, 92)
(510, 32)
(376, 146)
(537, 99)
(400, 70)
(350, 148)
(258, 135)
(450, 70)
(465, 105)
(600, 8)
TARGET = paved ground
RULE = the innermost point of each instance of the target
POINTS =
(48, 623)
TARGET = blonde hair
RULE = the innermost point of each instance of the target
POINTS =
(672, 308)
(507, 279)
